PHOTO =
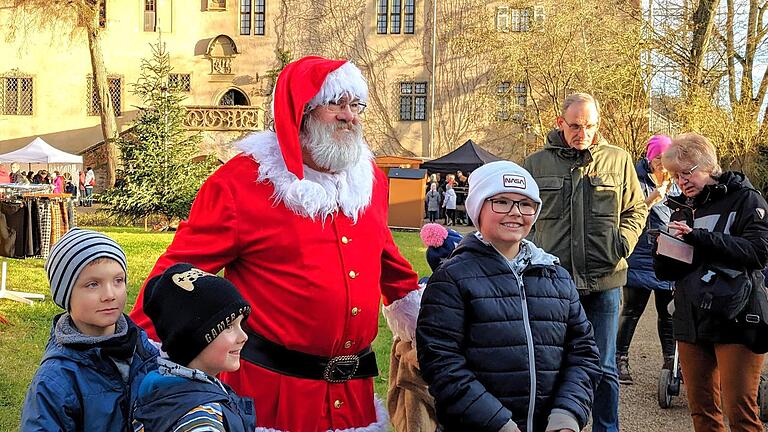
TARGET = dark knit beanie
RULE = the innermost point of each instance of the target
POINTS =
(436, 255)
(71, 254)
(189, 308)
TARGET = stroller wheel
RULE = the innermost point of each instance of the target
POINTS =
(762, 399)
(664, 396)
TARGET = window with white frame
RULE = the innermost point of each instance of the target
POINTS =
(115, 85)
(509, 19)
(252, 17)
(413, 101)
(16, 95)
(511, 99)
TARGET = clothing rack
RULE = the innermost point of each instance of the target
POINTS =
(18, 189)
(33, 219)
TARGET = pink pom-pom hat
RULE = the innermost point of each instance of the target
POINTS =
(433, 235)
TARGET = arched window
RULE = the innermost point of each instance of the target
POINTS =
(233, 97)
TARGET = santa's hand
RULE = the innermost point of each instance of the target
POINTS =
(402, 314)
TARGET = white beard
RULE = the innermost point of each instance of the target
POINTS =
(328, 152)
(320, 194)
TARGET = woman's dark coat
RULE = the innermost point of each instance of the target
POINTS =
(742, 244)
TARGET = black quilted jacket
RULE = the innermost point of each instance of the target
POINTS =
(493, 349)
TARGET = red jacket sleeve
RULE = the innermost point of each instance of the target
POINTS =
(208, 240)
(397, 276)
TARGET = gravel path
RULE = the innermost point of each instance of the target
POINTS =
(639, 409)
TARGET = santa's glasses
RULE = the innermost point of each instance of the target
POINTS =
(356, 107)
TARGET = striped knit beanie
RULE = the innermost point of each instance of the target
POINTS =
(69, 256)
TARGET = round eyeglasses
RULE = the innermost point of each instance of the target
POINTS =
(504, 206)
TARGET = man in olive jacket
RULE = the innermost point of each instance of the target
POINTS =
(592, 213)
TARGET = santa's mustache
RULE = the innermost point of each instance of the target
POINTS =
(344, 125)
(331, 152)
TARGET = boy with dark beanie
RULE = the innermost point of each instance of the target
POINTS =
(96, 356)
(198, 317)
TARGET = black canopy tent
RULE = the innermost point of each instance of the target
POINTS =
(468, 157)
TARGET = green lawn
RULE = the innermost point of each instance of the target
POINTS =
(22, 342)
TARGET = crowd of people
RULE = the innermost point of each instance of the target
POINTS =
(61, 182)
(445, 198)
(520, 328)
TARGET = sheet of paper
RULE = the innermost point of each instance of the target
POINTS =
(674, 248)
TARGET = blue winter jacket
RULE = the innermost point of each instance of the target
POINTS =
(172, 391)
(641, 274)
(494, 346)
(82, 390)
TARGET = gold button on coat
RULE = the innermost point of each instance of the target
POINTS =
(355, 311)
(338, 404)
(344, 240)
(352, 274)
(348, 344)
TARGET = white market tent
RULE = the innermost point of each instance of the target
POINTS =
(40, 155)
(40, 152)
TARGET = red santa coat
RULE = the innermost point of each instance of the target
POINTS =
(314, 286)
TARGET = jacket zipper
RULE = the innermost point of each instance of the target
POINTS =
(529, 343)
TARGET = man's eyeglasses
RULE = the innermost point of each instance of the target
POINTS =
(577, 127)
(356, 107)
(685, 175)
(504, 206)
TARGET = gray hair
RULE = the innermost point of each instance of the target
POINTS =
(691, 149)
(579, 98)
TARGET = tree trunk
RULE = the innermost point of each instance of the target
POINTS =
(101, 87)
(703, 22)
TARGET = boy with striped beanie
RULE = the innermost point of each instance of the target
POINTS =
(96, 356)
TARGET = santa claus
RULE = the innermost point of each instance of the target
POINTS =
(298, 222)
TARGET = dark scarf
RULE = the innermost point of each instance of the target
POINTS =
(119, 346)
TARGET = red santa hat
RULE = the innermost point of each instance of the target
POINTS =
(303, 85)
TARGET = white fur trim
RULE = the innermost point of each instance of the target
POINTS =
(346, 80)
(402, 314)
(381, 424)
(319, 194)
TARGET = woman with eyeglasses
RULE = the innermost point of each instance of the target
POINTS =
(502, 338)
(641, 280)
(725, 219)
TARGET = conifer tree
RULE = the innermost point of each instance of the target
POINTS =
(157, 176)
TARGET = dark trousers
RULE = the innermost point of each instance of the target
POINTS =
(722, 377)
(432, 214)
(635, 301)
(450, 214)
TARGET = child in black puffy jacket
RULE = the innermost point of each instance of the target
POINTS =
(502, 338)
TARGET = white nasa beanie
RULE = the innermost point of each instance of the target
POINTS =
(495, 178)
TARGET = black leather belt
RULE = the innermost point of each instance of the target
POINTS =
(277, 358)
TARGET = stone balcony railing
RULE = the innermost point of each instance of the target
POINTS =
(224, 118)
